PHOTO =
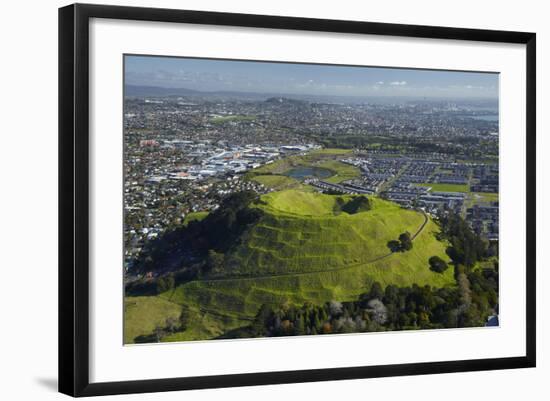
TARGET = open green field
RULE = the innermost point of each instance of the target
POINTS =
(323, 158)
(480, 198)
(142, 314)
(304, 248)
(485, 196)
(342, 171)
(280, 182)
(446, 187)
(330, 151)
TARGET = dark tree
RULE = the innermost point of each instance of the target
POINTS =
(356, 205)
(394, 245)
(405, 241)
(466, 246)
(376, 291)
(437, 264)
(166, 283)
(215, 261)
(184, 318)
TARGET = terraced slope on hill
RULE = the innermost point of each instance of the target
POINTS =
(308, 232)
(305, 248)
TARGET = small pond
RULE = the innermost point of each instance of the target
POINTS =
(305, 172)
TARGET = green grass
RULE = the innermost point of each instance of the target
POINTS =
(143, 314)
(485, 196)
(194, 216)
(307, 232)
(446, 187)
(330, 151)
(304, 248)
(342, 171)
(299, 203)
(478, 198)
(486, 264)
(277, 167)
(325, 158)
(241, 298)
(280, 182)
(204, 324)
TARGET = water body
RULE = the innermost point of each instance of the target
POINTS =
(303, 172)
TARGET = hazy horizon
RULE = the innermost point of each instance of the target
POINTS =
(259, 77)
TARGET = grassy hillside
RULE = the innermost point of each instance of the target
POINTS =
(304, 248)
(240, 299)
(307, 232)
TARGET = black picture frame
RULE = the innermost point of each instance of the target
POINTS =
(74, 198)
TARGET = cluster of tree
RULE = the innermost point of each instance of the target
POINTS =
(404, 243)
(467, 247)
(187, 245)
(469, 304)
(186, 253)
(437, 264)
(330, 317)
(356, 205)
(460, 147)
(163, 283)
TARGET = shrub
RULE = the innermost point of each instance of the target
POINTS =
(437, 264)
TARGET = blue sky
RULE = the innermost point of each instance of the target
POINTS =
(305, 79)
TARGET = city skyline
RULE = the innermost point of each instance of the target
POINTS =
(211, 75)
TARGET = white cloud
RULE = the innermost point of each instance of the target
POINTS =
(380, 82)
(398, 83)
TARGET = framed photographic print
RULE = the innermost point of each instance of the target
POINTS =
(249, 199)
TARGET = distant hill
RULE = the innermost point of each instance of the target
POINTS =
(158, 91)
(296, 99)
(285, 101)
(138, 91)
